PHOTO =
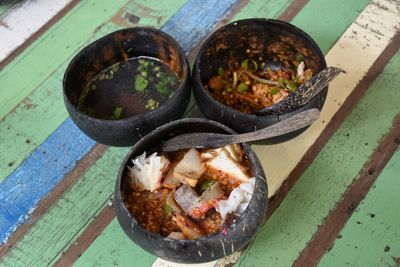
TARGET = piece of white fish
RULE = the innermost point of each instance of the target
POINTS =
(147, 171)
(238, 199)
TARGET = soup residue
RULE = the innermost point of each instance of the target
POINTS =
(128, 88)
(189, 194)
(249, 86)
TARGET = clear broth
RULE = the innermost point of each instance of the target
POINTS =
(128, 88)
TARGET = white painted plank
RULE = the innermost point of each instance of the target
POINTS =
(355, 52)
(23, 20)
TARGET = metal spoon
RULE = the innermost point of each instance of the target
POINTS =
(304, 93)
(197, 140)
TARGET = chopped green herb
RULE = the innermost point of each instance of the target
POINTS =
(252, 67)
(93, 87)
(299, 57)
(115, 67)
(117, 112)
(242, 87)
(156, 68)
(151, 104)
(168, 209)
(206, 184)
(288, 85)
(221, 71)
(144, 74)
(274, 91)
(229, 89)
(140, 84)
(171, 79)
(161, 88)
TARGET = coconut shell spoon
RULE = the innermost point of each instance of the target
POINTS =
(303, 94)
(198, 140)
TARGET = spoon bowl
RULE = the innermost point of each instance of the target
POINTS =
(304, 93)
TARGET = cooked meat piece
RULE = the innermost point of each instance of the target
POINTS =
(228, 172)
(190, 168)
(170, 180)
(195, 206)
(176, 235)
(216, 83)
(238, 200)
(188, 227)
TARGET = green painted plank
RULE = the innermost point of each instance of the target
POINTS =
(114, 248)
(39, 60)
(45, 106)
(262, 9)
(371, 237)
(296, 220)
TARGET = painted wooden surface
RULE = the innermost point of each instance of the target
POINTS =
(372, 235)
(58, 202)
(289, 229)
(15, 29)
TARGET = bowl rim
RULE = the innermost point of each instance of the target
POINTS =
(185, 70)
(196, 72)
(246, 147)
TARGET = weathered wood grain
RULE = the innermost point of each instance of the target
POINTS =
(15, 29)
(69, 216)
(39, 61)
(324, 238)
(321, 186)
(32, 72)
(372, 235)
(354, 52)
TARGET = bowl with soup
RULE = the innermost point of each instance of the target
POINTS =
(251, 65)
(193, 205)
(125, 84)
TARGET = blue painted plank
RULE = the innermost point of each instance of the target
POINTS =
(21, 191)
(195, 20)
(39, 174)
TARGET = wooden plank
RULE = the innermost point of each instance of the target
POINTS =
(121, 252)
(296, 220)
(19, 32)
(324, 238)
(19, 193)
(372, 235)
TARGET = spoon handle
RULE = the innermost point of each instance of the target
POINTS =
(291, 124)
(296, 122)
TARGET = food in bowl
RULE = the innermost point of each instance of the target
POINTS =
(142, 83)
(253, 84)
(189, 194)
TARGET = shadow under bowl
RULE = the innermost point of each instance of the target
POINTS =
(274, 42)
(205, 249)
(117, 47)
